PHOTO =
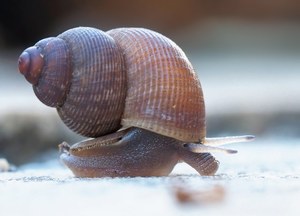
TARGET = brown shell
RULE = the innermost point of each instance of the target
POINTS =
(96, 97)
(164, 94)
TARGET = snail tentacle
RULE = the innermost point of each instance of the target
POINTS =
(200, 148)
(218, 141)
(211, 144)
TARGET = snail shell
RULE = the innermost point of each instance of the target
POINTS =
(127, 77)
(131, 88)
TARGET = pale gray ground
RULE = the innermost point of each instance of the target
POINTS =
(262, 179)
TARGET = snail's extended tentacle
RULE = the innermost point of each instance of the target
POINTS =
(211, 144)
(218, 141)
(200, 148)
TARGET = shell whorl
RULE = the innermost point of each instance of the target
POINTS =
(96, 97)
(46, 66)
(55, 77)
(164, 94)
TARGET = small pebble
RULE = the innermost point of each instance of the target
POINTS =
(200, 197)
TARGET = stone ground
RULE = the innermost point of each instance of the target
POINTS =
(262, 179)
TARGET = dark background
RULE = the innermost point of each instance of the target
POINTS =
(24, 22)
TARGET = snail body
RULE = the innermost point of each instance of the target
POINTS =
(134, 91)
(139, 153)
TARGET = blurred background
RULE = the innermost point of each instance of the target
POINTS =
(246, 53)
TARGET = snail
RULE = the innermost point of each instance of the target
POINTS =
(133, 92)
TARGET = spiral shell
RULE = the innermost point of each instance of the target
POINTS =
(127, 77)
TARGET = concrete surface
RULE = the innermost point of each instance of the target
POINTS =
(262, 179)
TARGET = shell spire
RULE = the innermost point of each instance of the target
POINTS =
(30, 64)
(46, 66)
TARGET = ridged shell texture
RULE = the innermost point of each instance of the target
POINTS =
(95, 101)
(164, 94)
(54, 80)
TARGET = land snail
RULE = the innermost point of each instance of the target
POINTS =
(131, 89)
